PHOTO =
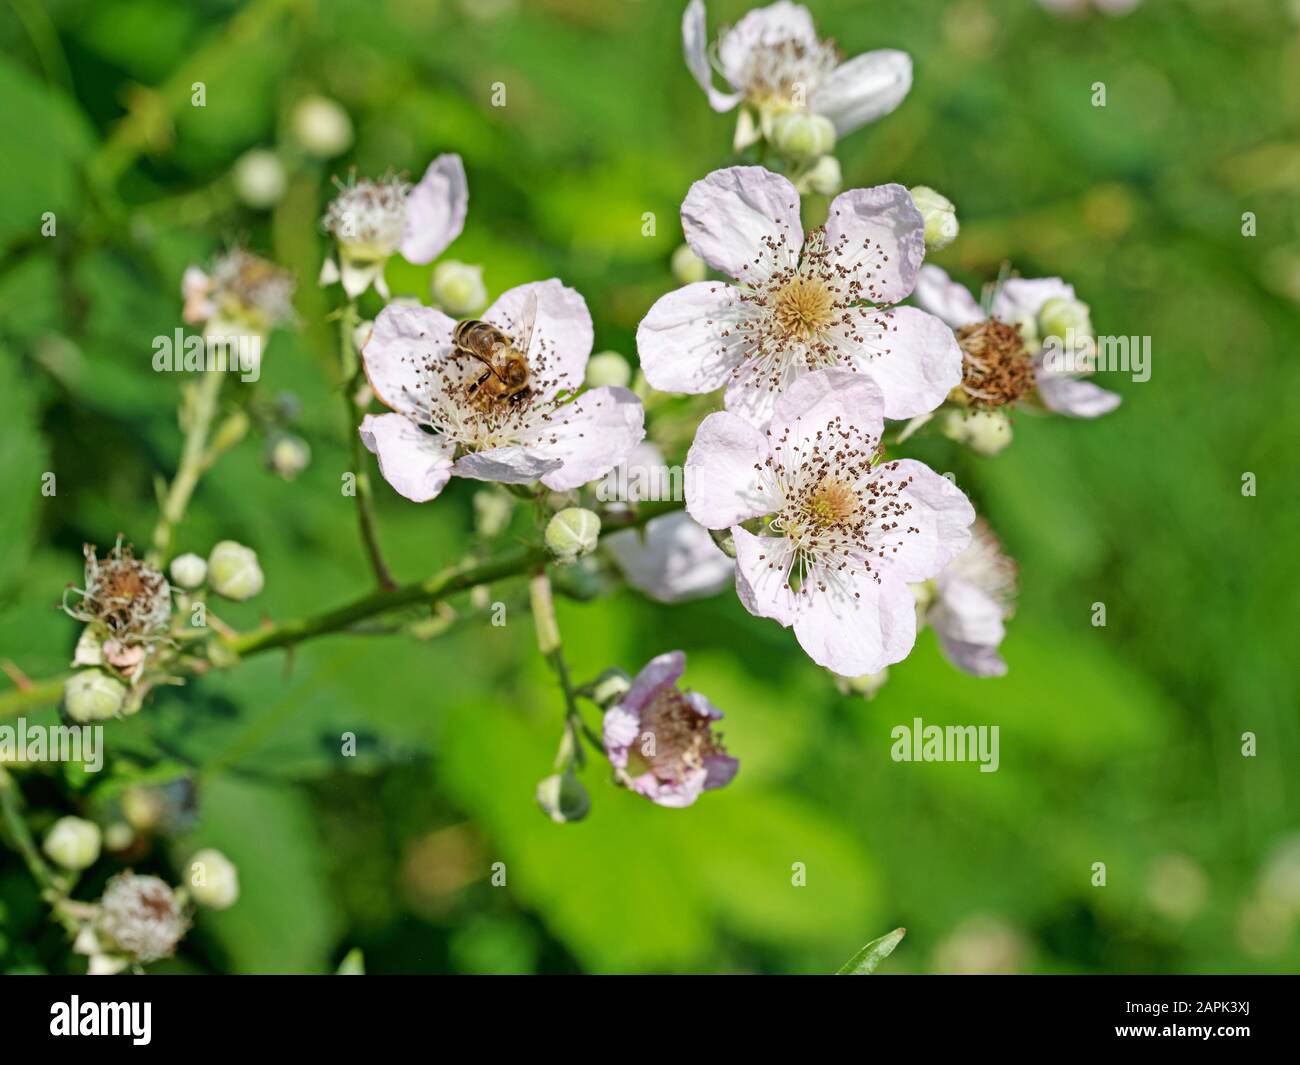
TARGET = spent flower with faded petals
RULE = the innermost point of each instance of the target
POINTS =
(240, 294)
(141, 917)
(128, 605)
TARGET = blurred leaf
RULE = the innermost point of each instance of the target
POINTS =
(868, 959)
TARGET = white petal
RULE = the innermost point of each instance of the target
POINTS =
(680, 340)
(943, 297)
(744, 222)
(723, 487)
(915, 360)
(853, 635)
(695, 43)
(435, 210)
(508, 465)
(879, 235)
(762, 27)
(672, 560)
(863, 89)
(762, 575)
(358, 275)
(969, 625)
(402, 343)
(589, 436)
(1069, 395)
(818, 398)
(1020, 297)
(940, 512)
(415, 463)
(562, 334)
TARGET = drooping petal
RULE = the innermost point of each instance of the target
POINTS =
(1021, 297)
(744, 221)
(508, 465)
(560, 343)
(816, 399)
(879, 236)
(403, 342)
(589, 436)
(695, 43)
(672, 560)
(914, 358)
(415, 463)
(435, 210)
(855, 634)
(723, 486)
(661, 671)
(680, 340)
(969, 624)
(943, 297)
(939, 512)
(762, 28)
(1068, 395)
(762, 581)
(863, 89)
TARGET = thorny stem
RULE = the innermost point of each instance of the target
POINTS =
(51, 890)
(199, 410)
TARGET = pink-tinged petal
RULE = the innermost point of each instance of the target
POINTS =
(878, 235)
(863, 89)
(963, 611)
(695, 43)
(720, 770)
(196, 286)
(938, 510)
(435, 210)
(402, 343)
(681, 343)
(943, 297)
(762, 582)
(723, 485)
(760, 28)
(976, 659)
(415, 463)
(856, 634)
(589, 436)
(619, 731)
(815, 399)
(701, 705)
(508, 465)
(562, 334)
(673, 560)
(915, 360)
(661, 671)
(744, 222)
(1068, 395)
(1020, 297)
(673, 794)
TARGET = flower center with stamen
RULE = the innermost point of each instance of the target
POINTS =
(804, 308)
(832, 502)
(996, 368)
(787, 71)
(683, 738)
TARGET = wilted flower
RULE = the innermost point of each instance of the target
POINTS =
(128, 604)
(845, 532)
(1002, 363)
(241, 295)
(774, 63)
(968, 603)
(371, 220)
(141, 917)
(539, 432)
(660, 740)
(798, 305)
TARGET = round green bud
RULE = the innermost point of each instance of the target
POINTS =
(288, 455)
(1063, 317)
(563, 798)
(259, 178)
(687, 266)
(985, 432)
(188, 571)
(491, 511)
(458, 288)
(825, 178)
(940, 217)
(610, 687)
(321, 127)
(213, 879)
(803, 135)
(73, 843)
(93, 695)
(233, 571)
(572, 533)
(608, 368)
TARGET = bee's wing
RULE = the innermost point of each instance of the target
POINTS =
(527, 320)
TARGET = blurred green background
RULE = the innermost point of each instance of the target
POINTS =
(1120, 744)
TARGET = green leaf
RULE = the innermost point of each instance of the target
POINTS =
(353, 964)
(867, 960)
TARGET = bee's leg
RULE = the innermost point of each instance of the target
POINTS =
(475, 386)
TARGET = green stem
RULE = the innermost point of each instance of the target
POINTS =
(200, 411)
(21, 837)
(552, 649)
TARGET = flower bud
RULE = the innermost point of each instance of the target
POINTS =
(563, 798)
(984, 432)
(322, 127)
(491, 511)
(287, 455)
(93, 695)
(233, 571)
(940, 217)
(572, 533)
(803, 135)
(1061, 317)
(687, 266)
(214, 880)
(610, 687)
(188, 571)
(608, 368)
(866, 685)
(259, 178)
(458, 288)
(73, 843)
(825, 178)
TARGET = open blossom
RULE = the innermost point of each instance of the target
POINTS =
(845, 532)
(968, 603)
(445, 422)
(660, 739)
(774, 62)
(1002, 358)
(371, 220)
(798, 305)
(241, 294)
